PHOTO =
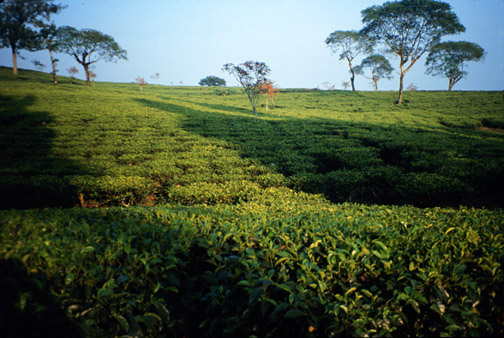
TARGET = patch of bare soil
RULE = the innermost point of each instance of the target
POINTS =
(491, 130)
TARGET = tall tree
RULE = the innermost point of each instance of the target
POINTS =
(88, 46)
(49, 34)
(251, 75)
(351, 44)
(409, 28)
(19, 20)
(448, 60)
(379, 67)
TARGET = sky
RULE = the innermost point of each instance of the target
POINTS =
(187, 40)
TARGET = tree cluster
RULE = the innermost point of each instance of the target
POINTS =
(212, 81)
(407, 29)
(26, 25)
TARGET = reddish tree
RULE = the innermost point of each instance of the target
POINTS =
(72, 71)
(268, 88)
(141, 82)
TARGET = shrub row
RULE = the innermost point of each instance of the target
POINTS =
(169, 144)
(256, 269)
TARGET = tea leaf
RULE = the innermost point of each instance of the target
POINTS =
(69, 278)
(294, 313)
(104, 292)
(450, 230)
(122, 322)
(255, 294)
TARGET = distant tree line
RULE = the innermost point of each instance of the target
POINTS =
(26, 25)
(407, 29)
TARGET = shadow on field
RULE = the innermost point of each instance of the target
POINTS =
(25, 153)
(360, 162)
(27, 308)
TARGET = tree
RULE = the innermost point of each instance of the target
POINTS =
(378, 65)
(448, 59)
(269, 89)
(18, 22)
(155, 76)
(89, 46)
(141, 81)
(351, 44)
(212, 81)
(409, 28)
(49, 34)
(251, 75)
(72, 71)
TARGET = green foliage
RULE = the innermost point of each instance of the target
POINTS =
(378, 65)
(351, 44)
(212, 81)
(448, 59)
(409, 29)
(113, 146)
(88, 46)
(260, 269)
(221, 237)
(19, 20)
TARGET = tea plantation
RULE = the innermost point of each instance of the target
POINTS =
(172, 212)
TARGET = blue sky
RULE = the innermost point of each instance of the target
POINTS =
(187, 40)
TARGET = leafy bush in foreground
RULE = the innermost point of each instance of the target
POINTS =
(255, 269)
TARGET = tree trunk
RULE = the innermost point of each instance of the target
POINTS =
(53, 63)
(375, 81)
(451, 83)
(14, 61)
(88, 78)
(252, 96)
(352, 76)
(401, 83)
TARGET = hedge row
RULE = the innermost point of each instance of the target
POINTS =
(281, 265)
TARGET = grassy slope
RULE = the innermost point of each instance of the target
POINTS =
(113, 145)
(347, 268)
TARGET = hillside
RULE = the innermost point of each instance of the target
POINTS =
(172, 212)
(114, 145)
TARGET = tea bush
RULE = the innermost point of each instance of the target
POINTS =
(231, 229)
(262, 269)
(169, 144)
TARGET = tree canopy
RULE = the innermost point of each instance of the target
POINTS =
(448, 59)
(212, 81)
(379, 67)
(88, 46)
(351, 44)
(19, 20)
(409, 28)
